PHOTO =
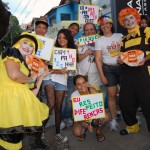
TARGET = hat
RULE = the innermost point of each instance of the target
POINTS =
(38, 43)
(43, 21)
(104, 19)
(128, 11)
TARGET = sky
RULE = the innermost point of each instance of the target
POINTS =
(25, 10)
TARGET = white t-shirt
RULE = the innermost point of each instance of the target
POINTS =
(88, 66)
(59, 78)
(110, 47)
(75, 93)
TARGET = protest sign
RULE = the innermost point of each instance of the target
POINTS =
(85, 40)
(87, 107)
(46, 52)
(88, 13)
(64, 57)
(35, 64)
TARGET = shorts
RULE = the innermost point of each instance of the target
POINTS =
(112, 74)
(58, 86)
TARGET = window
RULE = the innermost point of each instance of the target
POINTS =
(65, 17)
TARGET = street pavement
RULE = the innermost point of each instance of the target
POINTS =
(139, 141)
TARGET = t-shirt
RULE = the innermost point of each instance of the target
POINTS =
(110, 47)
(88, 66)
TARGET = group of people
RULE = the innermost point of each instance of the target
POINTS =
(98, 65)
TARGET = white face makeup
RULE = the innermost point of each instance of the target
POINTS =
(130, 22)
(26, 48)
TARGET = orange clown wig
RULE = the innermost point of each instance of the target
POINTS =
(128, 11)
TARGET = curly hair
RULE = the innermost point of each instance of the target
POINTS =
(68, 36)
(128, 11)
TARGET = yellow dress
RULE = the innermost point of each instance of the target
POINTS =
(20, 110)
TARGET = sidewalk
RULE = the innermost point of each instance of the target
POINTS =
(114, 141)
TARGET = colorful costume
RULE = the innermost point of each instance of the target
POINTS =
(135, 81)
(20, 110)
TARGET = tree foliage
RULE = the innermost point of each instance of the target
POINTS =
(13, 32)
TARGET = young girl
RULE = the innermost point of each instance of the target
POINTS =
(55, 85)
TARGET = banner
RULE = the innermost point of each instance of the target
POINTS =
(88, 13)
(85, 40)
(64, 57)
(46, 51)
(87, 107)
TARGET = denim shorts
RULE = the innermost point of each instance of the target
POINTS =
(58, 86)
(112, 74)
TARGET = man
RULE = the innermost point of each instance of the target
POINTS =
(41, 28)
(135, 81)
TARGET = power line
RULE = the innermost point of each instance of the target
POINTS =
(24, 8)
(17, 7)
(30, 11)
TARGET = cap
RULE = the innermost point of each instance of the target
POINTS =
(42, 20)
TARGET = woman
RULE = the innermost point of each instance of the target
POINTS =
(22, 110)
(79, 128)
(55, 85)
(86, 65)
(107, 49)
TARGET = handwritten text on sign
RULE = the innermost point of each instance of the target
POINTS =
(63, 57)
(87, 107)
(88, 13)
(87, 40)
(46, 51)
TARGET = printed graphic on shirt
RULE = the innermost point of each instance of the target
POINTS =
(114, 49)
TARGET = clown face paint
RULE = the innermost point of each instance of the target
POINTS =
(26, 48)
(129, 22)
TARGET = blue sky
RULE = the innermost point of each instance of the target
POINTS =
(35, 8)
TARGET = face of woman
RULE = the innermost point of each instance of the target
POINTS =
(130, 22)
(106, 27)
(143, 23)
(81, 85)
(63, 42)
(89, 30)
(26, 48)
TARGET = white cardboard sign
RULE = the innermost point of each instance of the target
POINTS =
(87, 107)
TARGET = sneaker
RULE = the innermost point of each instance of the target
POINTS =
(113, 125)
(39, 145)
(69, 122)
(62, 125)
(61, 138)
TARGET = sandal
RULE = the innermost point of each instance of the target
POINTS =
(100, 137)
(82, 137)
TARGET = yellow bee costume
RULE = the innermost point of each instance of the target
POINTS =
(20, 110)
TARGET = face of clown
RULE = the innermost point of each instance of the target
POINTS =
(130, 22)
(26, 47)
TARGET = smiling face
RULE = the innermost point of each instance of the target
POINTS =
(89, 29)
(81, 86)
(74, 29)
(144, 23)
(62, 40)
(106, 27)
(26, 47)
(130, 22)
